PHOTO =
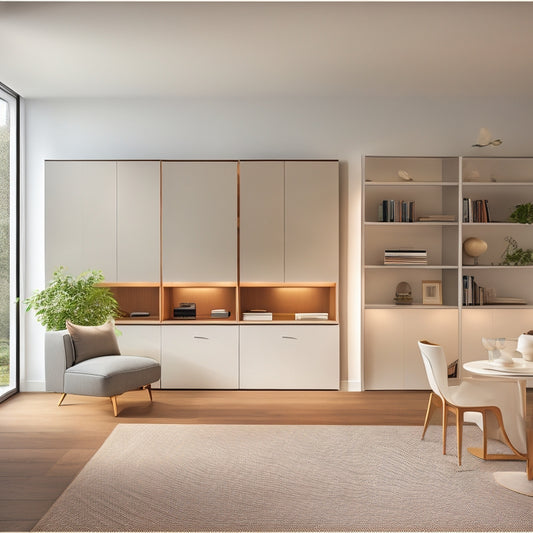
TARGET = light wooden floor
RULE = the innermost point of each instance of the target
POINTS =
(43, 447)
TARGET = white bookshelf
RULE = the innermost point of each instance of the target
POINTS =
(438, 186)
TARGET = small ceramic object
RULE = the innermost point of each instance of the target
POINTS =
(404, 175)
(474, 247)
(525, 346)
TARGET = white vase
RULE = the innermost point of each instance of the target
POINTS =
(525, 346)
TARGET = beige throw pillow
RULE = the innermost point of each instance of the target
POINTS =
(93, 341)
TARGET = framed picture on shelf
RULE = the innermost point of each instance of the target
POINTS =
(432, 292)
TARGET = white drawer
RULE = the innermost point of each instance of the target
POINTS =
(289, 357)
(200, 357)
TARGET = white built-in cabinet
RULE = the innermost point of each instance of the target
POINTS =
(289, 221)
(138, 227)
(262, 221)
(103, 215)
(200, 357)
(80, 219)
(438, 186)
(289, 357)
(199, 214)
(168, 232)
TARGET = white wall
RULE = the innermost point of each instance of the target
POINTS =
(334, 128)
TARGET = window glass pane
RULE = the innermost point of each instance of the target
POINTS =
(8, 239)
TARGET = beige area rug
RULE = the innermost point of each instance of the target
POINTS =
(149, 477)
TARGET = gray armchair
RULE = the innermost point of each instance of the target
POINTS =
(87, 361)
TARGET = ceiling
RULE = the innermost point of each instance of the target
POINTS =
(250, 49)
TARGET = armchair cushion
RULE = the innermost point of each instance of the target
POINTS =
(93, 341)
(111, 375)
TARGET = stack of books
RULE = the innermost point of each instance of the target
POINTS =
(257, 314)
(475, 210)
(311, 316)
(405, 257)
(396, 211)
(438, 218)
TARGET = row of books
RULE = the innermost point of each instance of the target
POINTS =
(405, 257)
(475, 210)
(396, 211)
(473, 294)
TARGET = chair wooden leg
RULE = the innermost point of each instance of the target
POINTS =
(115, 405)
(149, 389)
(61, 399)
(428, 414)
(459, 422)
(444, 426)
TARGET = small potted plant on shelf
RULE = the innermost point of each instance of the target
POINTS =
(79, 299)
(523, 214)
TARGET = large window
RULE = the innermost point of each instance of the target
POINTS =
(9, 171)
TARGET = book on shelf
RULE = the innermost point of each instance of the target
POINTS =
(437, 218)
(475, 294)
(396, 211)
(257, 315)
(476, 210)
(405, 257)
(311, 316)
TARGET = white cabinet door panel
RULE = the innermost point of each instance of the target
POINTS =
(199, 221)
(80, 224)
(262, 221)
(138, 236)
(311, 221)
(392, 358)
(200, 357)
(289, 357)
(143, 340)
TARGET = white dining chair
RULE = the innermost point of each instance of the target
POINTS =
(500, 404)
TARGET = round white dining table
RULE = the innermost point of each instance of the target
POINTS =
(520, 370)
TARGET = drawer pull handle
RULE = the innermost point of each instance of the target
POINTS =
(289, 337)
(200, 337)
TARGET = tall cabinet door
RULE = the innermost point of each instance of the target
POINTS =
(262, 221)
(138, 238)
(311, 221)
(199, 202)
(80, 229)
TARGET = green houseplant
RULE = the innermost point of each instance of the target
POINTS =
(516, 256)
(78, 299)
(523, 214)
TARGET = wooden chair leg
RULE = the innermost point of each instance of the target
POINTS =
(428, 414)
(115, 405)
(444, 426)
(459, 422)
(149, 389)
(61, 399)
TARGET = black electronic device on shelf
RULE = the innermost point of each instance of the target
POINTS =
(185, 311)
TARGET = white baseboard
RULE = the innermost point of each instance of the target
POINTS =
(350, 385)
(32, 386)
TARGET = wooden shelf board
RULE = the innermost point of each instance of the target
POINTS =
(130, 284)
(187, 322)
(413, 183)
(388, 224)
(287, 285)
(497, 184)
(497, 267)
(410, 267)
(199, 284)
(291, 322)
(411, 306)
